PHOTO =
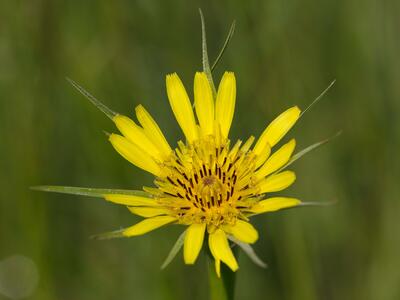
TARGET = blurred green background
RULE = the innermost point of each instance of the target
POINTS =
(283, 53)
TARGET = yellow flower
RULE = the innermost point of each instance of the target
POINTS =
(207, 183)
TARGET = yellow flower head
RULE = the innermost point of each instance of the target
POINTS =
(207, 183)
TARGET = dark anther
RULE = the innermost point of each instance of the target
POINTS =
(205, 170)
(170, 180)
(179, 195)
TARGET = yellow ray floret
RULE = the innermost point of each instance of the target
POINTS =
(274, 204)
(148, 225)
(181, 106)
(131, 200)
(204, 103)
(277, 182)
(221, 250)
(243, 231)
(193, 242)
(136, 135)
(225, 104)
(152, 130)
(134, 154)
(277, 129)
(277, 160)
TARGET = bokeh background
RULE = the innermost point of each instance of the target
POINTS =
(283, 53)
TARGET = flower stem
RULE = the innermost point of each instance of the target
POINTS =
(220, 288)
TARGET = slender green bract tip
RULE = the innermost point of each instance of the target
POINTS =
(108, 112)
(318, 98)
(90, 192)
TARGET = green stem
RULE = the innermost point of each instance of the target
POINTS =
(221, 288)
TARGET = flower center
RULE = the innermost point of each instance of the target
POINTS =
(207, 183)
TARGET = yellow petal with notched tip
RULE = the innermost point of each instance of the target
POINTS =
(220, 249)
(277, 182)
(194, 237)
(149, 212)
(274, 204)
(134, 154)
(277, 160)
(225, 103)
(148, 225)
(263, 155)
(204, 103)
(181, 107)
(243, 231)
(152, 130)
(277, 129)
(136, 135)
(130, 200)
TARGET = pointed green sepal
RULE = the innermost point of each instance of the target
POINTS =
(249, 251)
(174, 250)
(108, 112)
(90, 192)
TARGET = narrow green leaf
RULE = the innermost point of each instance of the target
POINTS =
(108, 112)
(249, 251)
(318, 98)
(174, 250)
(225, 46)
(206, 62)
(307, 150)
(90, 192)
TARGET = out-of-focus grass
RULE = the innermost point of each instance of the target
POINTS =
(283, 53)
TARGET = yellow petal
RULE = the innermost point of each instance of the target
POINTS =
(204, 103)
(148, 225)
(225, 104)
(218, 267)
(149, 212)
(277, 182)
(181, 107)
(274, 204)
(263, 155)
(193, 242)
(243, 231)
(152, 130)
(277, 160)
(277, 129)
(136, 135)
(130, 200)
(134, 154)
(220, 249)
